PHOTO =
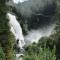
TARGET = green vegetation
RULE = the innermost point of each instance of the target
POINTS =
(2, 55)
(43, 50)
(6, 37)
(43, 54)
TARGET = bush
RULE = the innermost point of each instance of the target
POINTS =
(2, 55)
(39, 53)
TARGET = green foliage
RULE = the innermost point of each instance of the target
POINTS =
(3, 21)
(6, 37)
(56, 36)
(41, 54)
(9, 50)
(2, 55)
(40, 51)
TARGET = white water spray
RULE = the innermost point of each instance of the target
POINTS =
(35, 35)
(16, 30)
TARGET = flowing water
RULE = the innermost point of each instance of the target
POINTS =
(16, 29)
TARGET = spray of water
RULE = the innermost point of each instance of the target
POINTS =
(35, 35)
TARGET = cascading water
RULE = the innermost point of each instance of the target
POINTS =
(17, 32)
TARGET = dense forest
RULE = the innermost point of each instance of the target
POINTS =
(47, 48)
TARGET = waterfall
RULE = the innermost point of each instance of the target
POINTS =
(16, 29)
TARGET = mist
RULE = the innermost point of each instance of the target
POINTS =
(36, 35)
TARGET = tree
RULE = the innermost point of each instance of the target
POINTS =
(6, 37)
(56, 36)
